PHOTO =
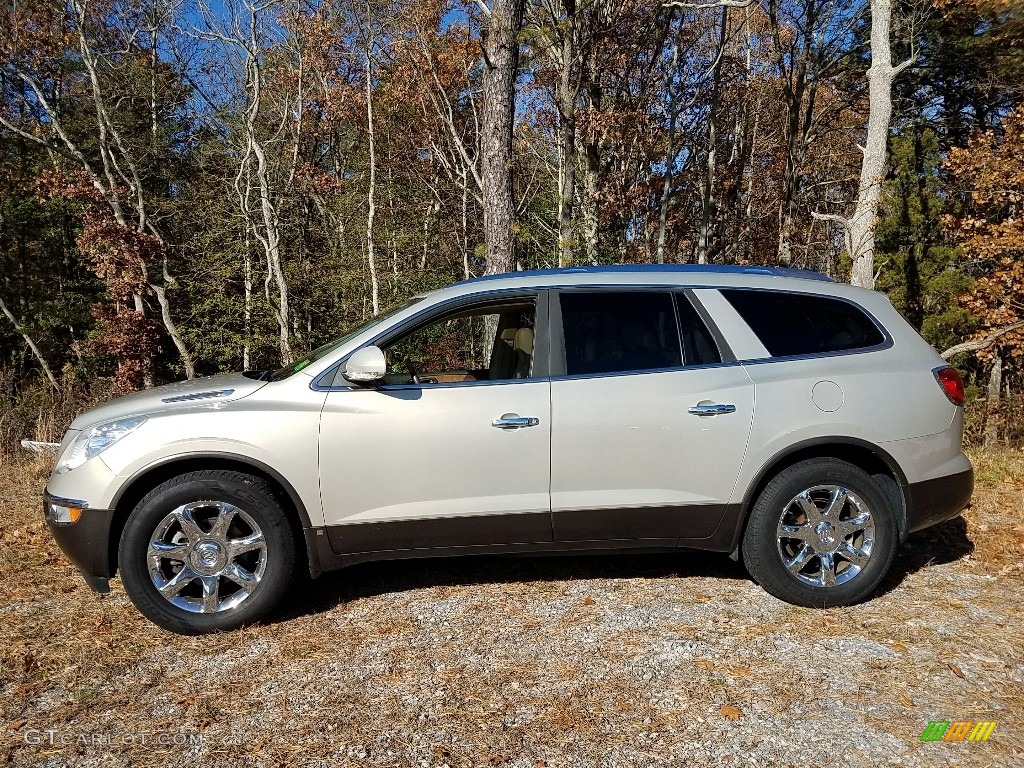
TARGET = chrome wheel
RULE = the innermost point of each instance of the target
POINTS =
(825, 535)
(206, 556)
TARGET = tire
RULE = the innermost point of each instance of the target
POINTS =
(815, 514)
(207, 551)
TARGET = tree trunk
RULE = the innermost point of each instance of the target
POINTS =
(993, 396)
(566, 91)
(860, 231)
(707, 197)
(500, 44)
(31, 345)
(371, 207)
(670, 153)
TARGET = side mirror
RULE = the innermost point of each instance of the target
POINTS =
(365, 366)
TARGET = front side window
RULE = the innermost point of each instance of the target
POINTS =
(493, 342)
(619, 331)
(803, 324)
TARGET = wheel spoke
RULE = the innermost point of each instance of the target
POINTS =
(808, 507)
(211, 593)
(243, 578)
(828, 569)
(238, 547)
(178, 582)
(836, 503)
(800, 559)
(802, 532)
(854, 524)
(168, 550)
(219, 530)
(856, 556)
(188, 524)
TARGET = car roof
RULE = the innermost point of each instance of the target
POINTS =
(579, 275)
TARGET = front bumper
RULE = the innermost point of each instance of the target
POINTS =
(933, 501)
(86, 542)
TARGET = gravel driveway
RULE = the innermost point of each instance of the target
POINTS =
(525, 662)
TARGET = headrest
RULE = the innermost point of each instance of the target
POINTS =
(524, 341)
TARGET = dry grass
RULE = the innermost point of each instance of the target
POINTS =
(655, 660)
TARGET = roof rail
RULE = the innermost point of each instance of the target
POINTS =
(604, 269)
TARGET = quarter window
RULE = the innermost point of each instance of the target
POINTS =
(801, 324)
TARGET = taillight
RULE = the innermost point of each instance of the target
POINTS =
(951, 383)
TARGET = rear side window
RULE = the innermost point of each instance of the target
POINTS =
(801, 324)
(618, 331)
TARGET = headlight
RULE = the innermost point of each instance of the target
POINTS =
(95, 440)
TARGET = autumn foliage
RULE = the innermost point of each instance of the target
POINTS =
(989, 172)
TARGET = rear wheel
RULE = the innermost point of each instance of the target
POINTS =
(821, 534)
(207, 551)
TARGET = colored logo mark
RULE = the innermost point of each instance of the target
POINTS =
(943, 730)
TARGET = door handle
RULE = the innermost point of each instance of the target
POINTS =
(712, 409)
(514, 421)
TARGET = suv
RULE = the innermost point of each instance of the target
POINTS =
(770, 414)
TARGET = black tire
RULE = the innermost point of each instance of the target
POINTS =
(251, 562)
(799, 498)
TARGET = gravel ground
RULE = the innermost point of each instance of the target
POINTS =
(525, 662)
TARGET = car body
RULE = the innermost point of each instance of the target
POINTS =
(598, 408)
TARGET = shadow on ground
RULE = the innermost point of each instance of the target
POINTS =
(942, 544)
(945, 543)
(369, 579)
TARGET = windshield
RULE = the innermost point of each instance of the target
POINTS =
(326, 349)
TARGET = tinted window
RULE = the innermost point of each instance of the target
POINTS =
(699, 347)
(619, 331)
(800, 324)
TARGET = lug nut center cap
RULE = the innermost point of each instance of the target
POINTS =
(826, 535)
(208, 557)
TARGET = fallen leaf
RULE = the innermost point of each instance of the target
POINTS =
(906, 700)
(956, 670)
(739, 671)
(588, 601)
(16, 725)
(705, 663)
(900, 647)
(731, 712)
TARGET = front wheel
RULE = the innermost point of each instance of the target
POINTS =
(207, 551)
(821, 534)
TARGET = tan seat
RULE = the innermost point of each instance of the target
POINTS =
(524, 351)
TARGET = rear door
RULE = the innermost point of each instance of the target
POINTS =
(650, 418)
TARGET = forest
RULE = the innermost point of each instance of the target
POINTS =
(195, 186)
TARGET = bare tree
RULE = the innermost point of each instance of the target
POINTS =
(244, 37)
(859, 228)
(371, 191)
(499, 44)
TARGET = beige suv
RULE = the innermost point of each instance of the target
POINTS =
(770, 414)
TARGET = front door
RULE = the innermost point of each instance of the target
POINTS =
(453, 448)
(649, 428)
